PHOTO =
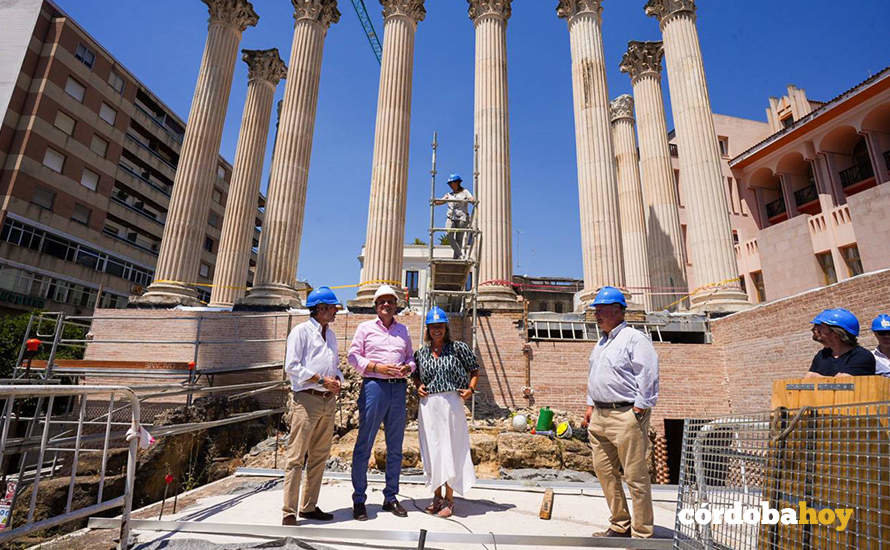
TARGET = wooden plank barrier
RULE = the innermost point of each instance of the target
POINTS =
(830, 449)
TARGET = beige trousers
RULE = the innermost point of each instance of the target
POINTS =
(619, 440)
(309, 443)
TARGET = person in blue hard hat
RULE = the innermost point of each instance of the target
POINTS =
(446, 376)
(458, 216)
(622, 389)
(312, 366)
(880, 327)
(837, 330)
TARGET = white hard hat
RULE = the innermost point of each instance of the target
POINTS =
(384, 290)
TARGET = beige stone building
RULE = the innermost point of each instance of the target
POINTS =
(805, 191)
(88, 156)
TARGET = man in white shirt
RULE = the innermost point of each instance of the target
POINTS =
(458, 213)
(312, 365)
(622, 388)
(881, 329)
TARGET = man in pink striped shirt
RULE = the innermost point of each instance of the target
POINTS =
(381, 352)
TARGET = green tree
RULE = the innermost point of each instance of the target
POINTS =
(443, 240)
(418, 241)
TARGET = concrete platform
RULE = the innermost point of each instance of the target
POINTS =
(493, 506)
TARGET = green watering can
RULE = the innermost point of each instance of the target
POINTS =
(545, 420)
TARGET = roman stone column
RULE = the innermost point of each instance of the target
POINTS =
(275, 284)
(597, 184)
(385, 236)
(492, 127)
(630, 200)
(265, 70)
(186, 222)
(708, 231)
(667, 252)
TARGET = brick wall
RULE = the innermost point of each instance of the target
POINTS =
(733, 374)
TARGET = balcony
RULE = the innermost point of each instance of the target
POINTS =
(134, 244)
(856, 174)
(139, 211)
(154, 153)
(163, 189)
(775, 208)
(806, 195)
(151, 116)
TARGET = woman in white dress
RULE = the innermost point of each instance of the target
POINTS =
(446, 376)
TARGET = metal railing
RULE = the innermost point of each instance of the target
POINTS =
(855, 174)
(46, 451)
(581, 331)
(805, 195)
(776, 207)
(814, 464)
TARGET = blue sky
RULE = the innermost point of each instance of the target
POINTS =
(752, 50)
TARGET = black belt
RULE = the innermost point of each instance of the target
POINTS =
(387, 380)
(615, 405)
(324, 394)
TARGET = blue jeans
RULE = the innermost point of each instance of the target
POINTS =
(379, 401)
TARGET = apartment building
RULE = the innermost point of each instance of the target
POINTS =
(806, 190)
(88, 156)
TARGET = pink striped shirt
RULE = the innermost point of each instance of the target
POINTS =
(373, 342)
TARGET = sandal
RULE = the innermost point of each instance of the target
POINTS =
(447, 509)
(434, 506)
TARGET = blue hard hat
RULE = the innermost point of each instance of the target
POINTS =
(819, 319)
(609, 295)
(321, 295)
(436, 315)
(454, 177)
(842, 318)
(881, 323)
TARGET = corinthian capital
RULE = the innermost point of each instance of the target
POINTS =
(568, 9)
(494, 8)
(264, 65)
(664, 10)
(321, 11)
(412, 9)
(236, 13)
(622, 107)
(642, 59)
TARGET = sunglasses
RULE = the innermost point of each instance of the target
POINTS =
(391, 301)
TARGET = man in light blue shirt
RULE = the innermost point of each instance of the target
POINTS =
(622, 388)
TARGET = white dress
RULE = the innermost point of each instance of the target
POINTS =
(445, 442)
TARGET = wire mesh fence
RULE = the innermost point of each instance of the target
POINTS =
(814, 477)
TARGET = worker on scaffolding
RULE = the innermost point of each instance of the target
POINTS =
(841, 355)
(312, 365)
(458, 216)
(880, 327)
(622, 388)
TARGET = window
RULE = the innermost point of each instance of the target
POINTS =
(827, 265)
(204, 271)
(43, 197)
(85, 55)
(107, 114)
(116, 81)
(788, 121)
(217, 196)
(99, 146)
(208, 244)
(411, 283)
(64, 123)
(735, 237)
(558, 307)
(221, 172)
(75, 89)
(213, 219)
(53, 160)
(851, 257)
(757, 280)
(81, 214)
(743, 284)
(89, 179)
(723, 142)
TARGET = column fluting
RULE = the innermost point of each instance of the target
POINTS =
(265, 70)
(385, 235)
(492, 127)
(601, 238)
(275, 283)
(709, 232)
(667, 253)
(186, 222)
(630, 201)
